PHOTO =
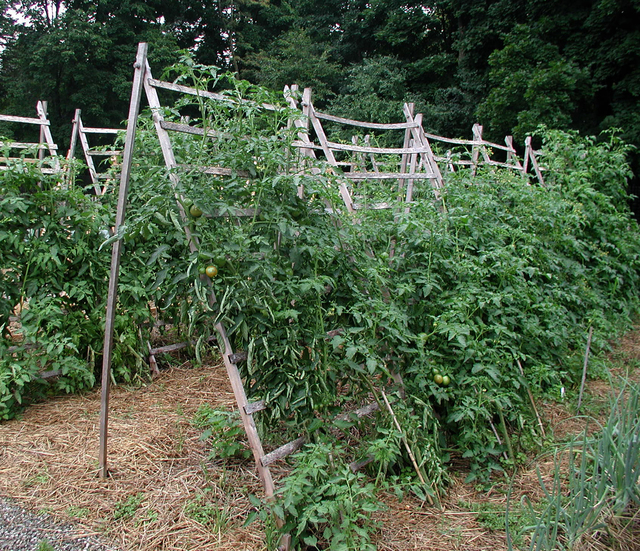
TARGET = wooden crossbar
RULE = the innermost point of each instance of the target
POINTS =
(24, 120)
(188, 129)
(201, 93)
(460, 141)
(89, 130)
(389, 175)
(79, 133)
(24, 145)
(365, 149)
(104, 152)
(363, 124)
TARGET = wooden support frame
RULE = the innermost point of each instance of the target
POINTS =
(79, 132)
(143, 80)
(417, 160)
(45, 146)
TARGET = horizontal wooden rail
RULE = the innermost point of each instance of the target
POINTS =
(177, 346)
(88, 130)
(295, 445)
(362, 149)
(41, 169)
(25, 120)
(105, 153)
(201, 93)
(25, 145)
(215, 170)
(389, 175)
(254, 407)
(463, 162)
(363, 124)
(461, 141)
(381, 150)
(195, 130)
(282, 451)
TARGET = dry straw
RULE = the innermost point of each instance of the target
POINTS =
(161, 473)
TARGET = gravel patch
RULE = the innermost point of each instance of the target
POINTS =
(21, 530)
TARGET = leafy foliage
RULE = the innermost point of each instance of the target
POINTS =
(222, 431)
(506, 273)
(325, 504)
(333, 311)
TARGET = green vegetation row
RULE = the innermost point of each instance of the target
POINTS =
(333, 311)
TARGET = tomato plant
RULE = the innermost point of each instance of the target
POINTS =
(331, 309)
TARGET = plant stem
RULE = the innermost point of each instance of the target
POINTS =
(584, 369)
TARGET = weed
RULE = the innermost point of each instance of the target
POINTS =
(127, 509)
(216, 519)
(223, 432)
(40, 478)
(77, 512)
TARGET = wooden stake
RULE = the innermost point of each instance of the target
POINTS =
(584, 368)
(533, 402)
(134, 107)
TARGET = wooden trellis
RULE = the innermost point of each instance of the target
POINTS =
(477, 152)
(356, 163)
(353, 163)
(80, 133)
(45, 146)
(418, 160)
(143, 80)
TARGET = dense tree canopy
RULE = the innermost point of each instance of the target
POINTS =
(508, 64)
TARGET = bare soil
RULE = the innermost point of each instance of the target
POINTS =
(160, 469)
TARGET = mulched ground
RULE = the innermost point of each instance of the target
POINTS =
(161, 472)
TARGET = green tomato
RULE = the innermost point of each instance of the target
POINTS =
(438, 379)
(195, 211)
(446, 380)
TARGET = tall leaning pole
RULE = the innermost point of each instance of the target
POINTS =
(134, 108)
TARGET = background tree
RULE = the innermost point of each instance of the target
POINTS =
(509, 65)
(79, 59)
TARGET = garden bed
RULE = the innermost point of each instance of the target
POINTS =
(165, 493)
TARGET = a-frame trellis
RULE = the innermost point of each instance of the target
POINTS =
(143, 80)
(357, 162)
(45, 146)
(80, 133)
(418, 161)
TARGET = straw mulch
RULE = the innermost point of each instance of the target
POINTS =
(166, 494)
(160, 470)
